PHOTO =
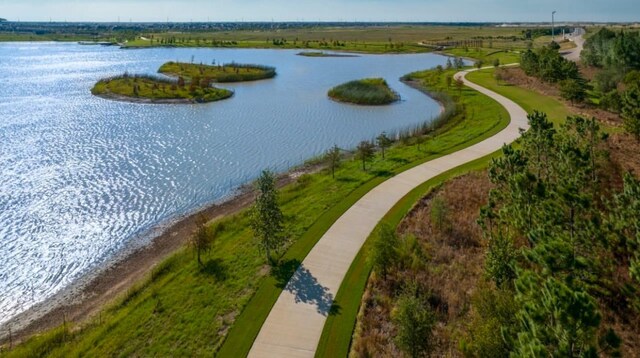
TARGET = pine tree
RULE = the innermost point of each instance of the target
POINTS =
(631, 111)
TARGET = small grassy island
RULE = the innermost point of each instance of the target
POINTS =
(192, 83)
(232, 72)
(151, 89)
(369, 91)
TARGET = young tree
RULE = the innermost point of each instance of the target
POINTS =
(202, 240)
(333, 157)
(573, 90)
(365, 152)
(496, 63)
(266, 216)
(459, 85)
(631, 111)
(459, 63)
(449, 64)
(449, 80)
(439, 213)
(479, 64)
(384, 142)
(383, 252)
(414, 321)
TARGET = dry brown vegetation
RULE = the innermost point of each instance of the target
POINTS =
(451, 268)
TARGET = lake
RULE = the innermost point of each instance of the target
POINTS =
(82, 178)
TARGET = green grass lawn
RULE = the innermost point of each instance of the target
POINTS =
(528, 99)
(487, 55)
(223, 73)
(145, 87)
(369, 91)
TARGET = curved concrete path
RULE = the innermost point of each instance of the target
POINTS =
(574, 53)
(295, 323)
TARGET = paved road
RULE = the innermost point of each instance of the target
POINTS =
(574, 53)
(295, 323)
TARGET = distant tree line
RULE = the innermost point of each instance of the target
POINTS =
(609, 49)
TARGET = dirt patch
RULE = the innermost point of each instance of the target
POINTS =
(624, 152)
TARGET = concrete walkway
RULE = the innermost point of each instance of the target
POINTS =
(295, 323)
(574, 53)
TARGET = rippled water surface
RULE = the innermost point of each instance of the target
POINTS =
(81, 177)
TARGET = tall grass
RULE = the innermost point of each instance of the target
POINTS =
(370, 91)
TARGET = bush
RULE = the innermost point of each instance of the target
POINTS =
(415, 322)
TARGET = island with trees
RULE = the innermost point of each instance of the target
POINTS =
(368, 91)
(225, 73)
(186, 83)
(153, 89)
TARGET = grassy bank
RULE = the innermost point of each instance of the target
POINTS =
(183, 310)
(369, 91)
(527, 99)
(232, 72)
(337, 333)
(136, 88)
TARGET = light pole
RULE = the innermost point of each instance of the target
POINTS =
(553, 26)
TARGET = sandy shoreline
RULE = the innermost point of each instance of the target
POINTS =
(87, 296)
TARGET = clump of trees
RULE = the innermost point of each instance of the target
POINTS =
(616, 53)
(548, 65)
(556, 242)
(608, 49)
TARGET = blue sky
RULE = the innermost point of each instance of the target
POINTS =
(320, 10)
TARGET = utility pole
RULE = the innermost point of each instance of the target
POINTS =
(553, 26)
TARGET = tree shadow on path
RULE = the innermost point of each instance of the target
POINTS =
(296, 279)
